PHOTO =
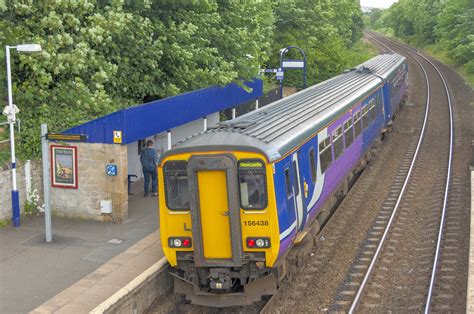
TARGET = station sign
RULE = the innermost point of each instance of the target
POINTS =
(111, 170)
(293, 64)
(66, 137)
(280, 74)
(117, 137)
(269, 70)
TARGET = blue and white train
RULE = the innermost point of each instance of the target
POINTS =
(236, 199)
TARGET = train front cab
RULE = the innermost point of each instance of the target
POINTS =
(219, 227)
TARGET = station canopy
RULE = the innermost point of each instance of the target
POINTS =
(141, 121)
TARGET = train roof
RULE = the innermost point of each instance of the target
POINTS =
(279, 127)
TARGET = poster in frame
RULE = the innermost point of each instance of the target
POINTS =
(64, 166)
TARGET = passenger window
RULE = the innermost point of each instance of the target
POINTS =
(295, 179)
(312, 164)
(365, 117)
(252, 183)
(176, 185)
(348, 133)
(372, 111)
(337, 142)
(357, 123)
(325, 154)
(288, 182)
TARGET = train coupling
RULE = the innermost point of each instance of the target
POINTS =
(219, 279)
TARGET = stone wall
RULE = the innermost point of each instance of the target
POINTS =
(94, 185)
(6, 186)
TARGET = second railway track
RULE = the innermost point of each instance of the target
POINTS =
(401, 272)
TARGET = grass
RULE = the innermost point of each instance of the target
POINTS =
(4, 156)
(4, 222)
(442, 55)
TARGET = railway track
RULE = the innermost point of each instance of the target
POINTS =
(386, 282)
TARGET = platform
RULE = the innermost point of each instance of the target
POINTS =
(101, 290)
(33, 271)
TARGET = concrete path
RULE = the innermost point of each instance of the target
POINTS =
(33, 271)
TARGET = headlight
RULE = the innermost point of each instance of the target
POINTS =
(260, 243)
(177, 242)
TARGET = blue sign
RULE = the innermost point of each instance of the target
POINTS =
(111, 170)
(269, 70)
(279, 74)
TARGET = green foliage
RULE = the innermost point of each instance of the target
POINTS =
(32, 204)
(100, 56)
(325, 29)
(446, 24)
(103, 55)
(4, 222)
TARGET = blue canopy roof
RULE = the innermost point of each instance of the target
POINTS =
(151, 118)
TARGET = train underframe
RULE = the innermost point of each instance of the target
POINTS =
(225, 286)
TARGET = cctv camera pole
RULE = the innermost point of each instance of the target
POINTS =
(11, 120)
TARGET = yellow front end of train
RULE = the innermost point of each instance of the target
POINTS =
(218, 223)
(231, 216)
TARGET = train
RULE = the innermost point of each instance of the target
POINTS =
(238, 200)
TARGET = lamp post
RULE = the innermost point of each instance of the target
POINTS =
(11, 112)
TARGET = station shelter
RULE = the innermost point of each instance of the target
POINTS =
(108, 163)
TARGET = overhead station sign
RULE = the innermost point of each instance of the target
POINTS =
(293, 64)
(66, 137)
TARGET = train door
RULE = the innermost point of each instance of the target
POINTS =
(293, 190)
(298, 190)
(215, 210)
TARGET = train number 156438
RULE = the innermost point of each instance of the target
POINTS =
(256, 223)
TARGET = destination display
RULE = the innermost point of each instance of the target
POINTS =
(66, 137)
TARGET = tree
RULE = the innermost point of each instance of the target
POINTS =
(101, 56)
(324, 29)
(449, 24)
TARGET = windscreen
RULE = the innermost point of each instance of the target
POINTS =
(252, 184)
(176, 185)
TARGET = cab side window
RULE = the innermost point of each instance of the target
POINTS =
(288, 183)
(312, 164)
